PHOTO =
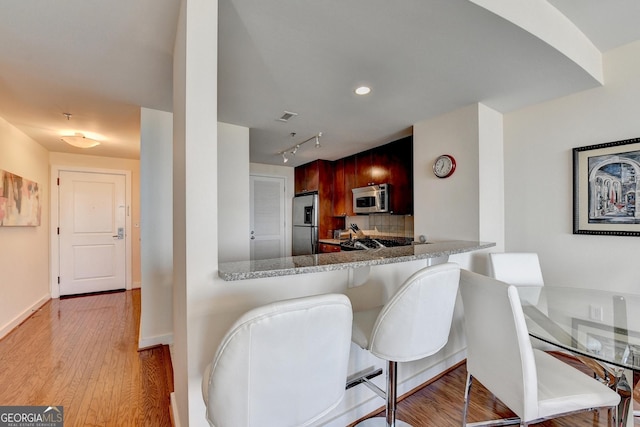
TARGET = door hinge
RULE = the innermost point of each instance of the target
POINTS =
(58, 280)
(58, 230)
(58, 181)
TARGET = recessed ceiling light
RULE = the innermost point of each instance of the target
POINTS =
(363, 90)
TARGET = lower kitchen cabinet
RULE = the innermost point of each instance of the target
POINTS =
(325, 248)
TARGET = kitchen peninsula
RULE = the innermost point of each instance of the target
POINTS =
(368, 278)
(301, 264)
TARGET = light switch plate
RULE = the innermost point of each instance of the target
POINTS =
(596, 312)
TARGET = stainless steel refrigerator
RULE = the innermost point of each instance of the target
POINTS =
(305, 224)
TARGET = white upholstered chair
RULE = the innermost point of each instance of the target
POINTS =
(522, 269)
(517, 268)
(281, 365)
(532, 383)
(412, 325)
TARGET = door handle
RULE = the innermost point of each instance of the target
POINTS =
(120, 234)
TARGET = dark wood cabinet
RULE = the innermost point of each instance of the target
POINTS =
(391, 164)
(318, 176)
(349, 183)
(339, 208)
(372, 167)
(399, 155)
(307, 177)
(345, 178)
(363, 169)
(325, 248)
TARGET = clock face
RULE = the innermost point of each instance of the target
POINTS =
(444, 166)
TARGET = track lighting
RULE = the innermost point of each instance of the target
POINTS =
(294, 149)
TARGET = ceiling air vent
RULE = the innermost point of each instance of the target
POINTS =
(286, 116)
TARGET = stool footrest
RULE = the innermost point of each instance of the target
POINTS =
(362, 377)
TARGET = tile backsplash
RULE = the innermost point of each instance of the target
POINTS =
(385, 224)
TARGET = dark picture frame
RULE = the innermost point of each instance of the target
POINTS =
(606, 188)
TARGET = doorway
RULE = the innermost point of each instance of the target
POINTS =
(267, 218)
(91, 223)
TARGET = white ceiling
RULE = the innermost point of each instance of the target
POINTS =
(102, 60)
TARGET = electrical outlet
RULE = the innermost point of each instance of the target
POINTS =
(596, 312)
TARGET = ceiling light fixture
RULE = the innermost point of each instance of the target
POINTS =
(79, 140)
(294, 149)
(363, 90)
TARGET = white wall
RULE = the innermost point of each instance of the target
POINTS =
(491, 173)
(447, 208)
(288, 173)
(24, 252)
(538, 178)
(469, 205)
(195, 192)
(156, 214)
(179, 359)
(233, 193)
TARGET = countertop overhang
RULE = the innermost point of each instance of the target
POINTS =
(286, 266)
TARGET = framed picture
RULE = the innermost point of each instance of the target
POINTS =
(606, 195)
(19, 201)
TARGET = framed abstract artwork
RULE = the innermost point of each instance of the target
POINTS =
(19, 201)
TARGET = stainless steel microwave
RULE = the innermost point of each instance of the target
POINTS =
(371, 199)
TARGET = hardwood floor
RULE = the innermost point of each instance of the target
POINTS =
(82, 353)
(440, 404)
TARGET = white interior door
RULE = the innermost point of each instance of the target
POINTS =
(92, 230)
(267, 220)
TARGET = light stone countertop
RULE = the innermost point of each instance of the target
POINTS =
(301, 264)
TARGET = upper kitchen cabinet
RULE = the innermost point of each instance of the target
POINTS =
(392, 164)
(307, 177)
(339, 208)
(319, 176)
(399, 160)
(372, 167)
(344, 179)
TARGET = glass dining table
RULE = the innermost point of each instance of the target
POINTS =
(600, 328)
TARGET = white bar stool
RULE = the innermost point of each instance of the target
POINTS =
(281, 365)
(414, 324)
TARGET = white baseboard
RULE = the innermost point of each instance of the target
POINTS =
(24, 315)
(174, 410)
(166, 339)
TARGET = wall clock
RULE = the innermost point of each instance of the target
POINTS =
(444, 166)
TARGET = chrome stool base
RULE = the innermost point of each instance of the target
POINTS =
(380, 422)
